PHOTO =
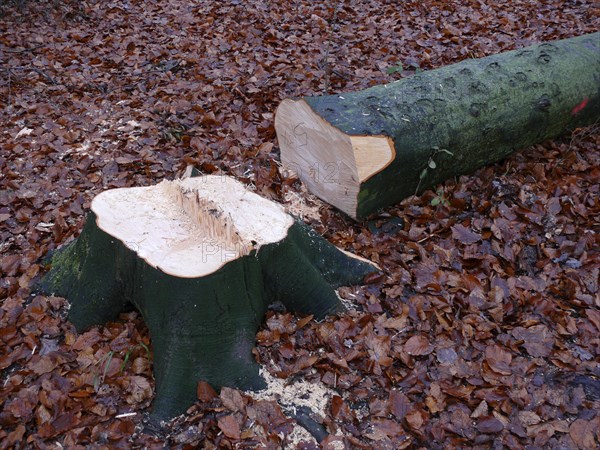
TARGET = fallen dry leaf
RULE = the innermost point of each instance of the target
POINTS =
(489, 424)
(232, 399)
(418, 346)
(464, 234)
(499, 359)
(584, 433)
(139, 389)
(205, 391)
(230, 426)
(537, 339)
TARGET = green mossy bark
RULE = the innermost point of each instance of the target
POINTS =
(91, 270)
(480, 110)
(201, 328)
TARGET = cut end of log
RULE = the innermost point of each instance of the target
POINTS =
(191, 227)
(372, 154)
(331, 163)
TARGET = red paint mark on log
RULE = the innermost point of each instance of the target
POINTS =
(580, 106)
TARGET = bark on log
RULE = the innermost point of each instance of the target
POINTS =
(366, 150)
(201, 259)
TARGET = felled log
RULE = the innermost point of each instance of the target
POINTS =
(366, 150)
(201, 259)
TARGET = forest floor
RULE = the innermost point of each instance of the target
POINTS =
(483, 331)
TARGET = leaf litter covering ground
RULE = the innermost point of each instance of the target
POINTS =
(483, 332)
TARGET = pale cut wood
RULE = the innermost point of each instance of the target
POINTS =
(372, 154)
(333, 164)
(191, 227)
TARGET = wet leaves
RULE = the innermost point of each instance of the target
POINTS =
(484, 327)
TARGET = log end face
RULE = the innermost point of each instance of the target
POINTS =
(372, 154)
(320, 154)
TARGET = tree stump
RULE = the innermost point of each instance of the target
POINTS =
(201, 259)
(366, 150)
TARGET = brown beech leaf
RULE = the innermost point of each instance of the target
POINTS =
(418, 345)
(230, 426)
(594, 316)
(41, 364)
(415, 420)
(303, 321)
(374, 277)
(446, 355)
(48, 346)
(399, 404)
(265, 147)
(205, 392)
(489, 424)
(340, 409)
(379, 349)
(64, 422)
(87, 339)
(42, 415)
(267, 413)
(140, 365)
(287, 350)
(583, 433)
(481, 410)
(537, 339)
(384, 428)
(499, 359)
(304, 362)
(9, 264)
(337, 403)
(529, 418)
(464, 234)
(462, 392)
(139, 389)
(232, 399)
(542, 433)
(16, 436)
